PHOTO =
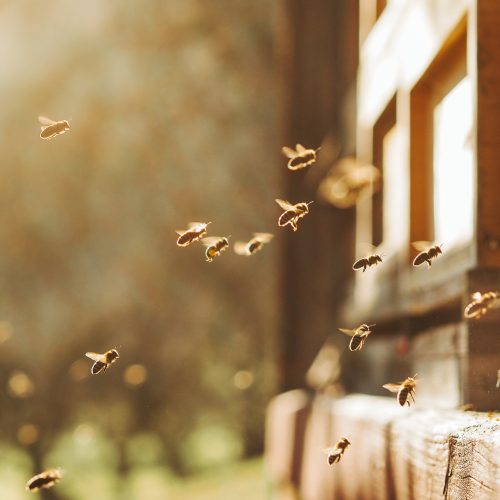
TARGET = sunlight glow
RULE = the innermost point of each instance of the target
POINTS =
(453, 167)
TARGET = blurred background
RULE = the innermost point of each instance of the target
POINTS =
(172, 109)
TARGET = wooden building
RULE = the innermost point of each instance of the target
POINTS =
(411, 87)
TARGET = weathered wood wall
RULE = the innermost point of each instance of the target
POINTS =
(396, 453)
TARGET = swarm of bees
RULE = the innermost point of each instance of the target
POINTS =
(481, 304)
(45, 479)
(405, 390)
(359, 336)
(346, 183)
(102, 361)
(334, 453)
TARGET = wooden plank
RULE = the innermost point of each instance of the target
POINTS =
(286, 419)
(314, 477)
(362, 472)
(443, 452)
(485, 53)
(439, 357)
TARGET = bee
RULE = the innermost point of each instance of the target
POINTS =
(359, 336)
(292, 213)
(498, 379)
(46, 479)
(256, 244)
(195, 232)
(428, 252)
(335, 453)
(481, 303)
(50, 128)
(215, 245)
(368, 261)
(300, 157)
(102, 361)
(349, 181)
(405, 390)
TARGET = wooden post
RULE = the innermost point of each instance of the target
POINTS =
(317, 49)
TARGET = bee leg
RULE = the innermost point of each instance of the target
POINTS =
(429, 263)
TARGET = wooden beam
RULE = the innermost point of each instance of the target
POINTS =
(486, 78)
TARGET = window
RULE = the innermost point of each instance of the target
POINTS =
(453, 178)
(441, 161)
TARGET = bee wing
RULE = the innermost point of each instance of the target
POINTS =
(94, 356)
(330, 449)
(180, 232)
(299, 148)
(210, 240)
(476, 296)
(45, 121)
(288, 152)
(421, 246)
(392, 387)
(192, 225)
(264, 237)
(285, 205)
(347, 331)
(241, 248)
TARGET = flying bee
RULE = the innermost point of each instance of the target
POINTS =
(50, 128)
(481, 303)
(256, 244)
(292, 213)
(359, 336)
(102, 361)
(405, 390)
(428, 252)
(215, 245)
(300, 157)
(369, 261)
(498, 379)
(195, 232)
(335, 453)
(46, 479)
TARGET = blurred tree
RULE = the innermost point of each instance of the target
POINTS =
(172, 120)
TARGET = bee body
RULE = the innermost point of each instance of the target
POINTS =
(51, 128)
(102, 361)
(196, 231)
(215, 246)
(357, 342)
(427, 255)
(292, 213)
(335, 453)
(256, 244)
(405, 390)
(300, 157)
(371, 260)
(46, 479)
